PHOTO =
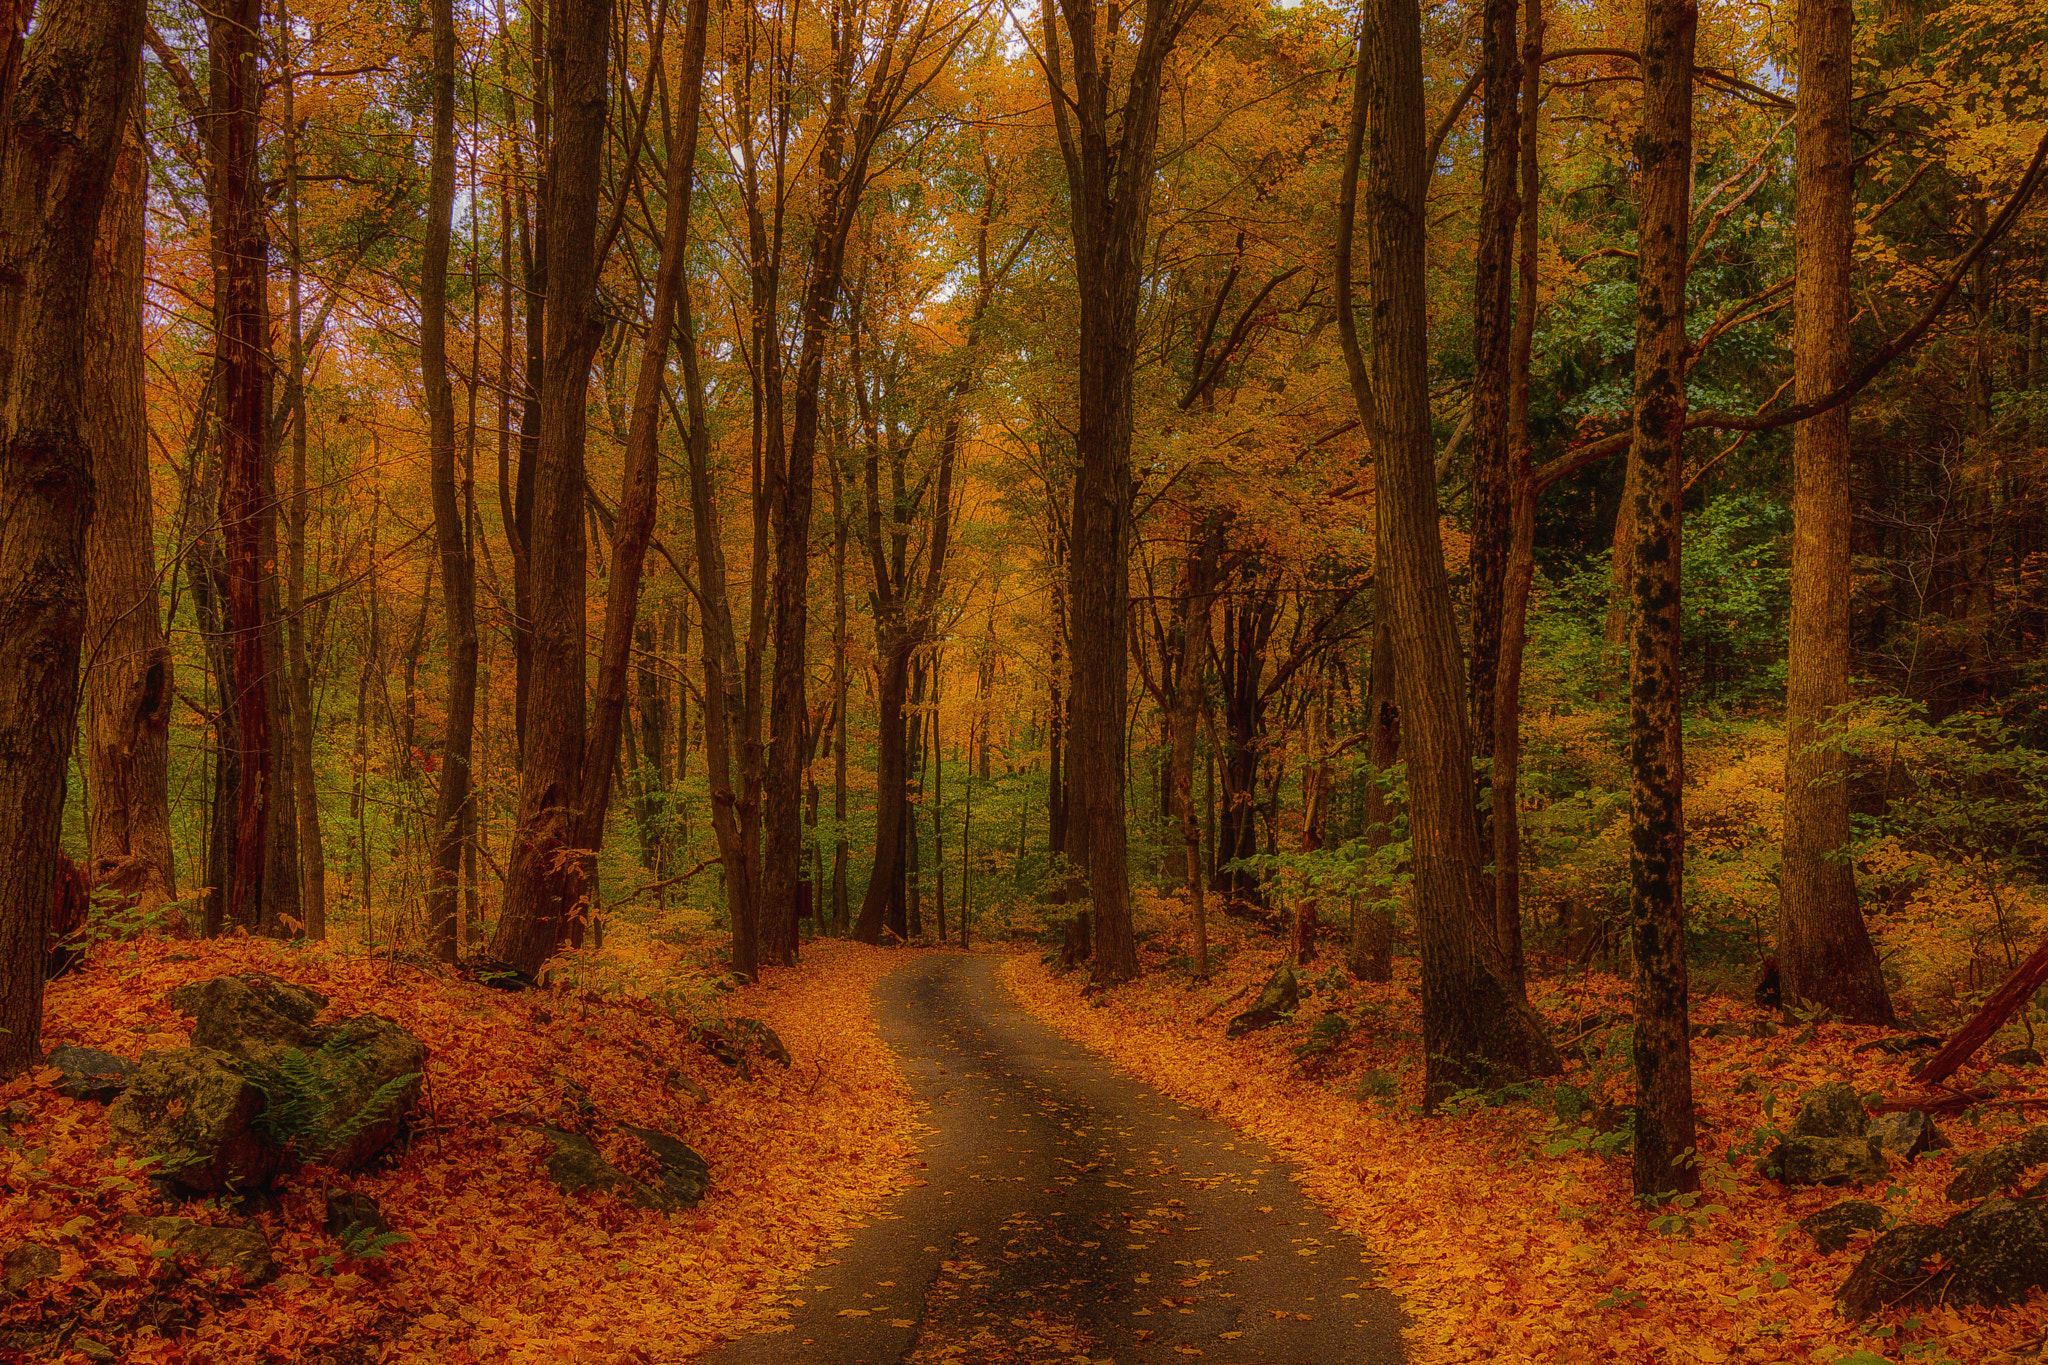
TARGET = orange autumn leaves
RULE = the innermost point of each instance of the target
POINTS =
(1502, 1253)
(500, 1267)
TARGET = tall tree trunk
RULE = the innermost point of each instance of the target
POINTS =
(544, 888)
(242, 247)
(1824, 948)
(1521, 563)
(1108, 150)
(1492, 493)
(1663, 1054)
(128, 667)
(78, 84)
(1200, 577)
(642, 469)
(451, 539)
(312, 852)
(1372, 926)
(1476, 1030)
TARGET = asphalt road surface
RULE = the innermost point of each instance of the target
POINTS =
(1070, 1212)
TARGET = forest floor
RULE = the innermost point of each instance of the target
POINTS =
(1505, 1233)
(498, 1265)
(1503, 1230)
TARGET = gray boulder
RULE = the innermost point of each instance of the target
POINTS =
(1830, 1111)
(1825, 1161)
(1906, 1135)
(194, 1110)
(1984, 1172)
(241, 1250)
(1281, 995)
(685, 1176)
(90, 1074)
(365, 1080)
(576, 1167)
(1834, 1225)
(251, 1011)
(1992, 1253)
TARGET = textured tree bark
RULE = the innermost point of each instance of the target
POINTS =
(1199, 581)
(128, 664)
(451, 540)
(1108, 154)
(1664, 1152)
(544, 885)
(1492, 325)
(641, 473)
(1521, 564)
(1372, 927)
(76, 92)
(1824, 948)
(312, 851)
(1476, 1030)
(241, 245)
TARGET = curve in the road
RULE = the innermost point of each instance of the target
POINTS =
(1072, 1213)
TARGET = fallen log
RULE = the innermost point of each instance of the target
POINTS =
(2017, 990)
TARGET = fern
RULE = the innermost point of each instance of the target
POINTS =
(301, 1092)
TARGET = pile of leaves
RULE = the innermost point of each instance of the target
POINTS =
(496, 1265)
(1507, 1225)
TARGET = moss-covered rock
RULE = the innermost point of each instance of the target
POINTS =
(1278, 999)
(1992, 1253)
(1830, 1111)
(194, 1110)
(1984, 1172)
(1834, 1226)
(1825, 1161)
(241, 1250)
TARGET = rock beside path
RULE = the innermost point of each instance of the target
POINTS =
(1278, 999)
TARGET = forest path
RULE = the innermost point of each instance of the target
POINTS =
(1071, 1212)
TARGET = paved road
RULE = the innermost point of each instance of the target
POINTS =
(1072, 1212)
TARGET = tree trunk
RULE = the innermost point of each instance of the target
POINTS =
(1492, 325)
(544, 884)
(1476, 1030)
(1199, 579)
(312, 852)
(642, 466)
(1109, 179)
(1372, 926)
(1664, 1148)
(242, 247)
(1521, 563)
(128, 667)
(1824, 948)
(78, 85)
(451, 541)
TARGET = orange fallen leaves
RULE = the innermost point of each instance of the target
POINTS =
(1500, 1253)
(500, 1267)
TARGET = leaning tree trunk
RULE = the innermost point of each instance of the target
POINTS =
(1476, 1030)
(451, 541)
(1663, 1054)
(128, 664)
(544, 886)
(1824, 948)
(79, 77)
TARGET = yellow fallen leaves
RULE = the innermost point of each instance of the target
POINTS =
(501, 1268)
(1502, 1255)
